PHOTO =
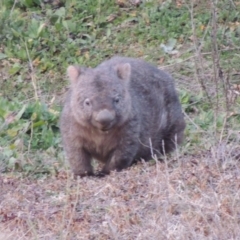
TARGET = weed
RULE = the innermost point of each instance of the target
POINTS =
(26, 128)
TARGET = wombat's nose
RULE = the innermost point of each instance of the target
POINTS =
(105, 117)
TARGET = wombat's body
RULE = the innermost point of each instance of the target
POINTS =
(123, 110)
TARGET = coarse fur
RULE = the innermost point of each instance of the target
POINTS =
(123, 110)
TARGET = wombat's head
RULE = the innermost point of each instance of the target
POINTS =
(100, 97)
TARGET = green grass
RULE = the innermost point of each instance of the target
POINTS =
(39, 40)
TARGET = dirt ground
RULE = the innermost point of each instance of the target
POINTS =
(195, 197)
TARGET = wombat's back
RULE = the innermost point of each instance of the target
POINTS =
(149, 85)
(156, 103)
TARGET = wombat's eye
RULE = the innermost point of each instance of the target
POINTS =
(116, 100)
(87, 102)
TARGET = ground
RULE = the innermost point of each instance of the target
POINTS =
(182, 198)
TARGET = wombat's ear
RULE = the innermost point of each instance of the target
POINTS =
(73, 72)
(123, 70)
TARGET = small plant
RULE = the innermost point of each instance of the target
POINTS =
(25, 129)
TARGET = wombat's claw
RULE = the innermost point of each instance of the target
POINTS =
(100, 174)
(83, 174)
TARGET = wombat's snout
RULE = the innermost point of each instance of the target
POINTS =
(105, 119)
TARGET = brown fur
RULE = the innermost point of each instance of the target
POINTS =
(122, 110)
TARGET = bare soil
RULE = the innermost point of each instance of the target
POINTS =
(188, 197)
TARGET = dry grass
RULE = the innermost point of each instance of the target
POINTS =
(188, 196)
(191, 197)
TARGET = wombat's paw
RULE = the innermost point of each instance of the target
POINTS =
(82, 174)
(101, 174)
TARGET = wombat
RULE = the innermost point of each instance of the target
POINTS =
(123, 110)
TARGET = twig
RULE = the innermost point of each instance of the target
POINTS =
(14, 4)
(32, 73)
(195, 56)
(215, 55)
(198, 52)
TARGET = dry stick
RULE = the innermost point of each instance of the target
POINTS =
(30, 140)
(215, 56)
(232, 3)
(35, 91)
(197, 127)
(14, 4)
(217, 71)
(194, 56)
(226, 85)
(198, 52)
(32, 73)
(224, 126)
(73, 213)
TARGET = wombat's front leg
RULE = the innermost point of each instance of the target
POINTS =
(121, 158)
(126, 151)
(80, 162)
